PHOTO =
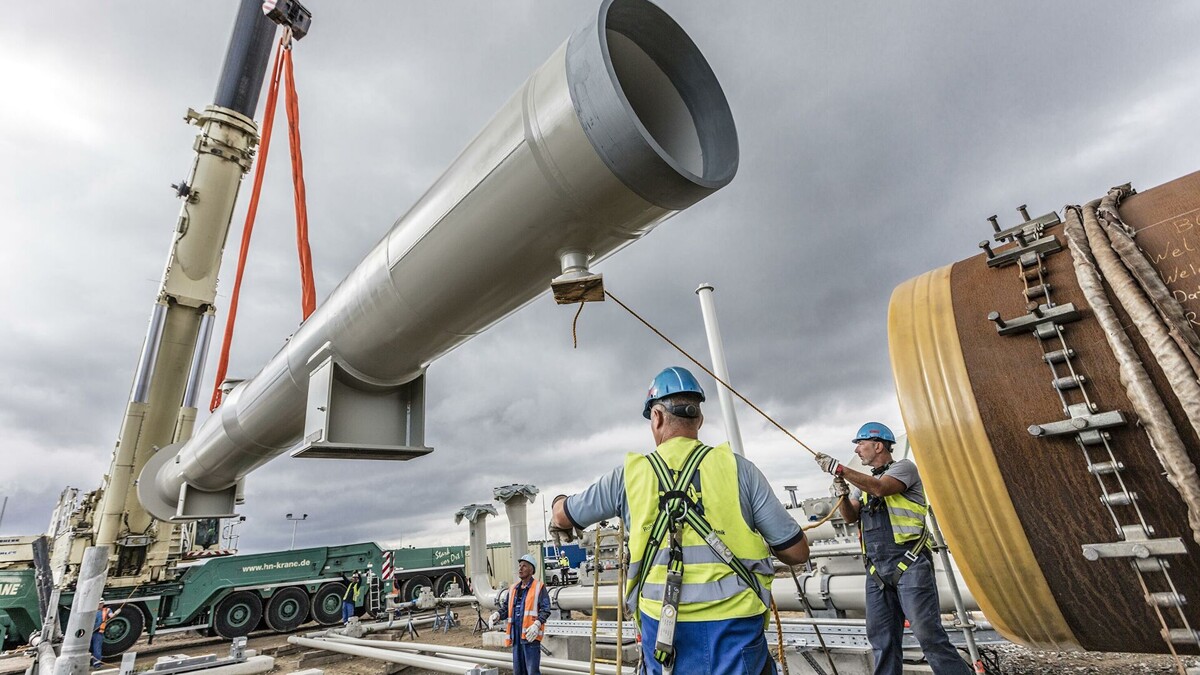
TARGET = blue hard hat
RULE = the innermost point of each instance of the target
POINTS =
(874, 431)
(673, 380)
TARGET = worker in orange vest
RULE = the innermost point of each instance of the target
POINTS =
(525, 614)
(103, 615)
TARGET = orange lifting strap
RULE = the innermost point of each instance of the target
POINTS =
(308, 298)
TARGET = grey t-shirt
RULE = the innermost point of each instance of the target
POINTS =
(760, 508)
(906, 472)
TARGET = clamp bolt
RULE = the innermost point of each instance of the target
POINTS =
(1036, 430)
(1035, 309)
(994, 317)
(1024, 212)
(987, 249)
(995, 223)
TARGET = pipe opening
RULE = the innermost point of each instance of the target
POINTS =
(651, 105)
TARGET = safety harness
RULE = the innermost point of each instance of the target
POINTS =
(911, 556)
(676, 508)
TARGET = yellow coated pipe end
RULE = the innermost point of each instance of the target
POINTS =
(959, 469)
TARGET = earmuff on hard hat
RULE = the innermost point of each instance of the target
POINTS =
(673, 380)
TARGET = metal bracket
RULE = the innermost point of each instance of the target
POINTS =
(1143, 548)
(1049, 316)
(1083, 422)
(1039, 247)
(1032, 228)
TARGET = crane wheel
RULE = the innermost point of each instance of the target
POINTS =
(123, 630)
(238, 614)
(287, 609)
(326, 604)
(412, 587)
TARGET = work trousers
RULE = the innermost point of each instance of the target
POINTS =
(527, 658)
(97, 645)
(914, 597)
(723, 647)
(347, 610)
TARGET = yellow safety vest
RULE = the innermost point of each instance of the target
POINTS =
(711, 589)
(906, 516)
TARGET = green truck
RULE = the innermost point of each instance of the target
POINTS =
(437, 567)
(233, 595)
(227, 596)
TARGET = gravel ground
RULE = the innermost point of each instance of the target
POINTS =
(1014, 660)
(1017, 660)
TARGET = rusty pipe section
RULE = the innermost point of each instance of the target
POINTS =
(622, 127)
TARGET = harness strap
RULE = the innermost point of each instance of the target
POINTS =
(911, 556)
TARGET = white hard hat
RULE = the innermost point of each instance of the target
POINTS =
(529, 559)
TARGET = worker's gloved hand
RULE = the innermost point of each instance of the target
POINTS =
(840, 487)
(565, 535)
(531, 633)
(492, 620)
(828, 464)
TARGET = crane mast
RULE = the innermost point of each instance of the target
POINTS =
(166, 384)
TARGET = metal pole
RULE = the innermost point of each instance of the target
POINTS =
(717, 349)
(75, 658)
(293, 544)
(968, 628)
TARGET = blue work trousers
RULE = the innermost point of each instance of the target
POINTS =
(726, 647)
(97, 645)
(914, 597)
(527, 658)
(347, 610)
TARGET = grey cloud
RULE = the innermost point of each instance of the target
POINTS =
(875, 138)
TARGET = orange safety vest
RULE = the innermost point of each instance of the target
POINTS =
(530, 612)
(105, 615)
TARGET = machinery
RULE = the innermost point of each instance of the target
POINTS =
(624, 126)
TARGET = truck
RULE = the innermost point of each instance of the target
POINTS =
(436, 567)
(227, 596)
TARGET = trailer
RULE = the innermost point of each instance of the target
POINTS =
(437, 567)
(228, 596)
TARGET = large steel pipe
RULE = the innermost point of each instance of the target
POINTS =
(624, 126)
(846, 592)
(1054, 535)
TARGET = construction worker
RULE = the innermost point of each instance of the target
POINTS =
(351, 597)
(700, 571)
(529, 600)
(103, 616)
(890, 506)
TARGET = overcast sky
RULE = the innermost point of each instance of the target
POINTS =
(876, 138)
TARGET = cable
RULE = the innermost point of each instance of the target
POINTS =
(711, 374)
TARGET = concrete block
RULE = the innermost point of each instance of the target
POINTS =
(308, 671)
(309, 659)
(493, 639)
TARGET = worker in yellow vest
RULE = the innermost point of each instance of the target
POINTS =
(702, 525)
(890, 506)
(351, 597)
(524, 612)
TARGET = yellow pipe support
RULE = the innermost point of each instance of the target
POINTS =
(959, 468)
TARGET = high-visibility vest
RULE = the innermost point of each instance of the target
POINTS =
(105, 615)
(351, 594)
(711, 589)
(906, 517)
(529, 612)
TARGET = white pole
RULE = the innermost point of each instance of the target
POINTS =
(716, 348)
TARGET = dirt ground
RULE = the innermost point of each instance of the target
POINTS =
(1014, 660)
